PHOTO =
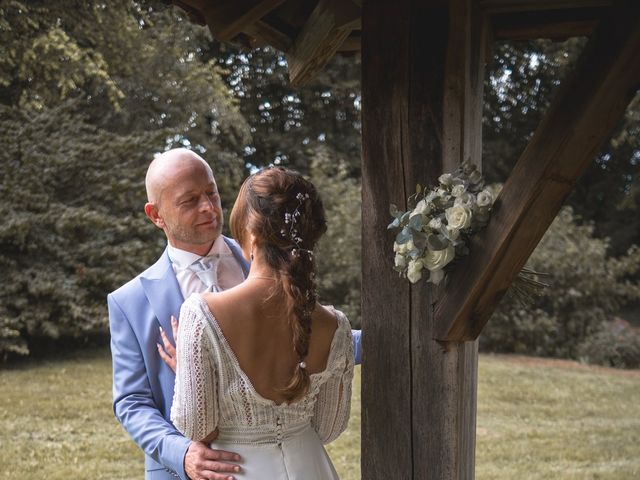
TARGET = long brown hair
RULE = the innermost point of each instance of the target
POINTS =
(285, 214)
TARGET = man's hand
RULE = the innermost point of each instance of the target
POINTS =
(168, 354)
(203, 463)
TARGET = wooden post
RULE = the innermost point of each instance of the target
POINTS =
(422, 75)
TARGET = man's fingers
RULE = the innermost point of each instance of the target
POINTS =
(221, 456)
(218, 476)
(220, 467)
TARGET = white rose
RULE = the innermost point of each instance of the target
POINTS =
(453, 233)
(431, 196)
(467, 199)
(458, 190)
(441, 192)
(414, 271)
(438, 259)
(400, 260)
(435, 224)
(422, 208)
(445, 179)
(485, 198)
(458, 217)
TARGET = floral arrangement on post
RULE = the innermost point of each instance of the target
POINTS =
(439, 223)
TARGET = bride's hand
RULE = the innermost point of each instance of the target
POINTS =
(168, 353)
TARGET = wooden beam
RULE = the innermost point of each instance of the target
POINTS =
(192, 10)
(506, 6)
(422, 104)
(588, 106)
(328, 26)
(554, 24)
(270, 35)
(351, 44)
(228, 18)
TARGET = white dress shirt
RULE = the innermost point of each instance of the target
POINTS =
(229, 270)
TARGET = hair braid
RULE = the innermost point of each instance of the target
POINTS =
(285, 213)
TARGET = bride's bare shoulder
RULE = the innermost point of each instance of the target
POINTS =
(324, 319)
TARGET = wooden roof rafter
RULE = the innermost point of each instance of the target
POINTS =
(310, 32)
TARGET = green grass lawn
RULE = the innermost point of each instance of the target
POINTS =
(536, 420)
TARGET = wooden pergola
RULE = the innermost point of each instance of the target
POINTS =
(422, 85)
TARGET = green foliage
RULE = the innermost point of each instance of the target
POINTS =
(289, 124)
(621, 350)
(587, 287)
(88, 94)
(520, 86)
(340, 250)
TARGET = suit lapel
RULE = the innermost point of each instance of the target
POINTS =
(163, 292)
(237, 253)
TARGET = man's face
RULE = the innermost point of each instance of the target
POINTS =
(190, 208)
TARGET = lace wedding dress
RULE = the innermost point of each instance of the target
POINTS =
(275, 441)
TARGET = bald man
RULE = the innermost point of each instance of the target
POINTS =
(183, 201)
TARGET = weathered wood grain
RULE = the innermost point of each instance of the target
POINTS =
(422, 96)
(328, 26)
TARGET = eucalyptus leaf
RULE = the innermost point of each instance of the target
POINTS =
(404, 236)
(420, 240)
(394, 224)
(393, 210)
(415, 222)
(436, 242)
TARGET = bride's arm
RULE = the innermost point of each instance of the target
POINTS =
(195, 408)
(333, 405)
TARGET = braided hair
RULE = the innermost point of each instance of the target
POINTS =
(286, 216)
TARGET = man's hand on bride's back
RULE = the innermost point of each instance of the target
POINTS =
(167, 350)
(201, 462)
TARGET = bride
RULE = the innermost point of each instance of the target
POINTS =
(263, 364)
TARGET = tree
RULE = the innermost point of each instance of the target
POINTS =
(88, 93)
(587, 287)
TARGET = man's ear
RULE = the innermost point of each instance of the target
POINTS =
(151, 210)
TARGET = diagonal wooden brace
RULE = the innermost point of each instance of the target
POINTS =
(587, 108)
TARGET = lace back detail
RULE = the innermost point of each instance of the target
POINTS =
(212, 391)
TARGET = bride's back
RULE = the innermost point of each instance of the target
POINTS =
(260, 334)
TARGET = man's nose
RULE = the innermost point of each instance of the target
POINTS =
(206, 204)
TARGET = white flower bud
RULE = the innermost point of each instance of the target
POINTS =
(485, 198)
(445, 179)
(435, 224)
(414, 271)
(466, 199)
(458, 190)
(400, 260)
(422, 208)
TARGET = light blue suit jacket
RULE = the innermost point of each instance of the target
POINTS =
(142, 383)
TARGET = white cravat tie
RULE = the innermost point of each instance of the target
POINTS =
(206, 269)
